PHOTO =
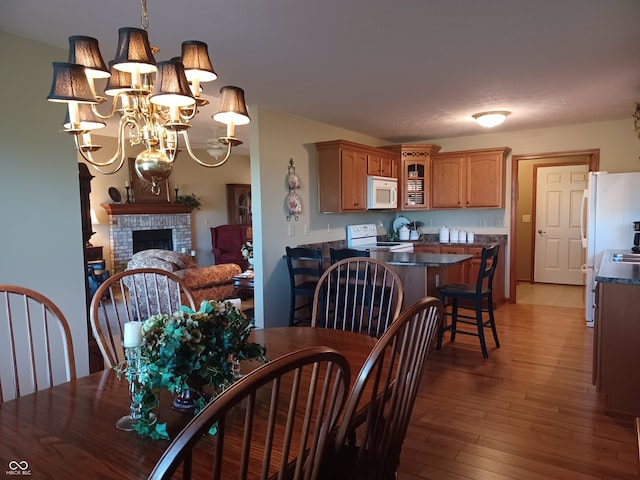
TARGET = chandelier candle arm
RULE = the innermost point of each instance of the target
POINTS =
(157, 100)
(229, 145)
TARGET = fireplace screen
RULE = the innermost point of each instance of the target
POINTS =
(146, 239)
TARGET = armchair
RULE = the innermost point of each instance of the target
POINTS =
(214, 282)
(226, 242)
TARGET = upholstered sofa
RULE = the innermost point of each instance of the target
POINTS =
(214, 282)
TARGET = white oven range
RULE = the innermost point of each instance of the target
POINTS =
(364, 237)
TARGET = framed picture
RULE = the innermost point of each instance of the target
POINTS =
(141, 189)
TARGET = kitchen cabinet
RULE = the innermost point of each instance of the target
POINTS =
(616, 353)
(343, 167)
(414, 177)
(468, 179)
(381, 164)
(239, 204)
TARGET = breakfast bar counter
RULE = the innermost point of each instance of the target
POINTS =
(421, 273)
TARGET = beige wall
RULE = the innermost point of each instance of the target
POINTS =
(40, 233)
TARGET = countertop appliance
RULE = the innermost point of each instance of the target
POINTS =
(610, 208)
(382, 192)
(364, 237)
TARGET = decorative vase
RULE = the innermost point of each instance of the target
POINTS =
(185, 401)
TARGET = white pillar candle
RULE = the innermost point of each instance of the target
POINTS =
(126, 183)
(132, 334)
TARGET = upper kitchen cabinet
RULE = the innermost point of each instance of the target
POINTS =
(415, 174)
(342, 176)
(468, 179)
(382, 163)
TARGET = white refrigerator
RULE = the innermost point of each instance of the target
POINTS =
(610, 206)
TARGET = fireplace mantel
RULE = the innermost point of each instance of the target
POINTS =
(144, 208)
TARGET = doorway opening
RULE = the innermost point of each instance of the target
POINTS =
(521, 256)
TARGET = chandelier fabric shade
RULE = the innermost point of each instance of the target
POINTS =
(171, 87)
(155, 101)
(86, 120)
(118, 82)
(85, 51)
(134, 51)
(70, 84)
(197, 65)
(233, 108)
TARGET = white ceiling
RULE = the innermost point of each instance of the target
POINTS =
(401, 71)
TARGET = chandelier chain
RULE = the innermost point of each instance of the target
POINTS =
(144, 19)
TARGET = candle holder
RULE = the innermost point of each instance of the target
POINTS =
(128, 422)
(128, 198)
(176, 190)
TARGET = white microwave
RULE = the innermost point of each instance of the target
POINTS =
(382, 192)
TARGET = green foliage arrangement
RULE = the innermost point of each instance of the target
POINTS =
(190, 201)
(188, 344)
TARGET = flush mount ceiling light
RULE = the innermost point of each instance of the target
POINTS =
(491, 119)
(155, 101)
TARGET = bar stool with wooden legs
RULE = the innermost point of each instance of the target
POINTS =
(477, 297)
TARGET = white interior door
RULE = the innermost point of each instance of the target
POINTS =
(559, 254)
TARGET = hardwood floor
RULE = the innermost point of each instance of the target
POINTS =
(528, 412)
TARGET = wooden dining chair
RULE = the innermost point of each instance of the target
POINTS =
(133, 295)
(273, 423)
(37, 350)
(357, 294)
(379, 406)
(476, 298)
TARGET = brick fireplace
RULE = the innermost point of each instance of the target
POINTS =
(125, 219)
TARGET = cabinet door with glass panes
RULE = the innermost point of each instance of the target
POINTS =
(414, 175)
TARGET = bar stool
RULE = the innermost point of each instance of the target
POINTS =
(460, 296)
(336, 254)
(305, 269)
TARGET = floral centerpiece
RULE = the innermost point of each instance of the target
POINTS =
(247, 252)
(185, 345)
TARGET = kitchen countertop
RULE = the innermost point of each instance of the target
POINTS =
(420, 259)
(617, 272)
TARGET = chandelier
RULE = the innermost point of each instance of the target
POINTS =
(153, 112)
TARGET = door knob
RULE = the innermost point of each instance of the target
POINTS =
(542, 232)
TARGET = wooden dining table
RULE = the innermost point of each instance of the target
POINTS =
(69, 431)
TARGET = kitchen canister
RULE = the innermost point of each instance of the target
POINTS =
(404, 233)
(453, 235)
(470, 237)
(444, 235)
(462, 236)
